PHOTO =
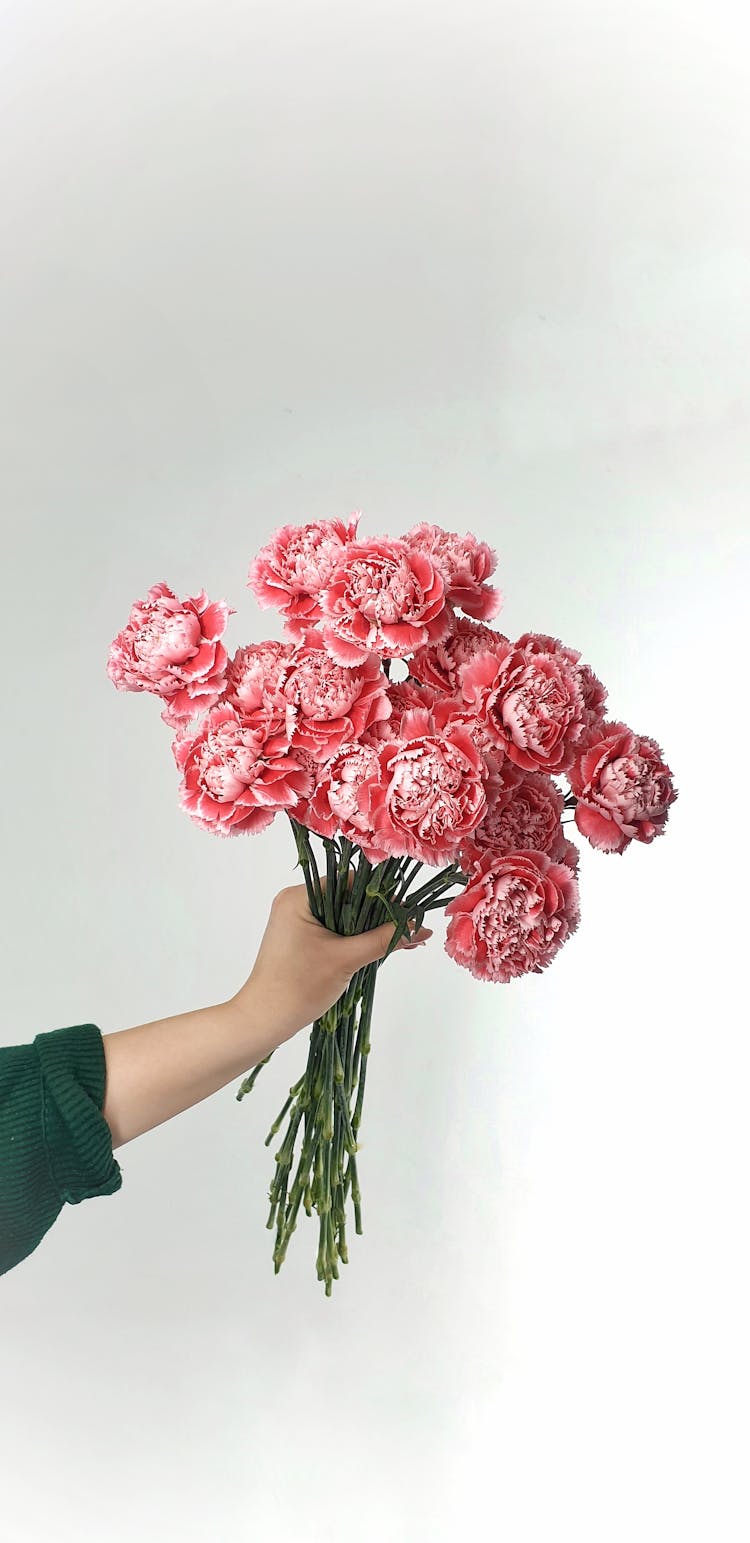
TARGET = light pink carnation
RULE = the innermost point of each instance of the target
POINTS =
(452, 711)
(439, 664)
(403, 695)
(531, 702)
(624, 789)
(524, 810)
(513, 916)
(328, 704)
(312, 771)
(465, 564)
(594, 693)
(344, 798)
(383, 598)
(233, 780)
(431, 793)
(296, 564)
(254, 677)
(172, 648)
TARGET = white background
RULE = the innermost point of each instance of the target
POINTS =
(487, 264)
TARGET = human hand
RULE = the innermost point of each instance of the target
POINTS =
(302, 968)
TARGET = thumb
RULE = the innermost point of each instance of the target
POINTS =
(366, 947)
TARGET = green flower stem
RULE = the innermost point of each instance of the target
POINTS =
(309, 867)
(356, 1195)
(302, 1187)
(277, 1192)
(310, 1099)
(340, 1092)
(321, 1190)
(305, 865)
(249, 1082)
(372, 911)
(353, 992)
(364, 1051)
(281, 1178)
(341, 1244)
(317, 1181)
(407, 877)
(313, 1066)
(351, 1026)
(402, 927)
(342, 881)
(451, 875)
(277, 1122)
(436, 905)
(361, 879)
(307, 1106)
(329, 897)
(328, 1122)
(337, 1208)
(367, 995)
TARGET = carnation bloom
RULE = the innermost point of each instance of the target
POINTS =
(254, 675)
(172, 648)
(452, 711)
(594, 693)
(624, 789)
(513, 916)
(524, 809)
(403, 695)
(431, 793)
(531, 703)
(295, 565)
(233, 780)
(326, 703)
(385, 598)
(439, 664)
(465, 564)
(344, 796)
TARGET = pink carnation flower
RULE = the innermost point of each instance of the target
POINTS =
(624, 789)
(172, 648)
(403, 695)
(253, 682)
(431, 793)
(295, 565)
(233, 780)
(465, 564)
(383, 598)
(524, 809)
(439, 664)
(513, 916)
(344, 798)
(531, 703)
(326, 703)
(453, 711)
(593, 692)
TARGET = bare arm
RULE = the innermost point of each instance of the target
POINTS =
(156, 1070)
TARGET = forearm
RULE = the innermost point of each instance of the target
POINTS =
(156, 1070)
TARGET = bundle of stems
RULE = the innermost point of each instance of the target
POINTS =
(327, 1100)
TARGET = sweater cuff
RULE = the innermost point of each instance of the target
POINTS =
(77, 1137)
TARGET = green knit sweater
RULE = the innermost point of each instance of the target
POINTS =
(55, 1145)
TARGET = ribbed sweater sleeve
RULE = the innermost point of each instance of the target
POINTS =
(55, 1145)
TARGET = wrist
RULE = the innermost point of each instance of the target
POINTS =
(256, 1021)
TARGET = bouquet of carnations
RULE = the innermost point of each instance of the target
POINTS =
(400, 729)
